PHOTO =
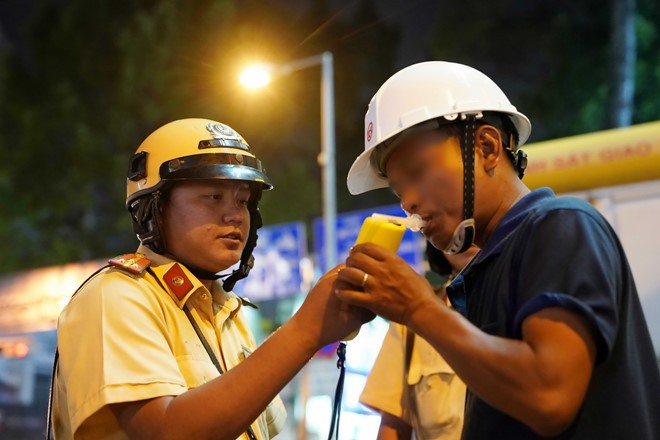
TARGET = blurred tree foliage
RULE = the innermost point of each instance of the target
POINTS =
(551, 58)
(94, 81)
(93, 78)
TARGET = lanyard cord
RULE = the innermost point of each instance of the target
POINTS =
(410, 389)
(250, 433)
(203, 340)
(336, 406)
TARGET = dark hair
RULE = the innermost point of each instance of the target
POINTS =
(504, 125)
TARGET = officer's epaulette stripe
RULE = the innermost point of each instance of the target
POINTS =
(133, 263)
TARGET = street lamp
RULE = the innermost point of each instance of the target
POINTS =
(259, 76)
(256, 76)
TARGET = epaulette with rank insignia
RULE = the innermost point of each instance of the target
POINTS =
(133, 263)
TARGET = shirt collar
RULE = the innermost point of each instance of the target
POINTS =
(510, 222)
(162, 265)
(228, 301)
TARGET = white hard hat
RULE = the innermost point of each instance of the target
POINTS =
(423, 92)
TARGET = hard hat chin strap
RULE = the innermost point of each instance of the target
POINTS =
(462, 238)
(465, 231)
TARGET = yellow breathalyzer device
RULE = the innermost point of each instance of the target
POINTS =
(386, 231)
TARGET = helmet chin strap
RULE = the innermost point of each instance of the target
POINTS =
(202, 274)
(247, 259)
(465, 231)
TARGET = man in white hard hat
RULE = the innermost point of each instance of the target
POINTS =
(551, 340)
(154, 346)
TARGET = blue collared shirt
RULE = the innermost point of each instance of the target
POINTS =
(550, 251)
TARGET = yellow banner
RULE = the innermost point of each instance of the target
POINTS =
(595, 160)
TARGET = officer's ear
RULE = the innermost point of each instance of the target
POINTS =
(488, 147)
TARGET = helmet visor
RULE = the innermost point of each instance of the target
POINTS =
(231, 166)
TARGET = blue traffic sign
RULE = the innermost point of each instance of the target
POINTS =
(277, 257)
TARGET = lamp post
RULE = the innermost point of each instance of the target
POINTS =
(259, 76)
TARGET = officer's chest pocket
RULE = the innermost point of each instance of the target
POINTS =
(440, 403)
(196, 370)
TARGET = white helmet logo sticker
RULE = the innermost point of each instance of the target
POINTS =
(222, 131)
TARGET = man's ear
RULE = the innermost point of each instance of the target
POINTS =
(488, 147)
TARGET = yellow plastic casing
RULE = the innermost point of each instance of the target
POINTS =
(385, 234)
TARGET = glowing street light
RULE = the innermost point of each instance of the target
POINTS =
(260, 75)
(256, 76)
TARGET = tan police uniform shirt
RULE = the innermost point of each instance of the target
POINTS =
(439, 394)
(125, 337)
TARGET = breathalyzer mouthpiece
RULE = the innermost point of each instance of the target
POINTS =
(413, 222)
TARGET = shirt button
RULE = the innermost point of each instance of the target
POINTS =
(205, 296)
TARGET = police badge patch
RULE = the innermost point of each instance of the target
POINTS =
(222, 131)
(223, 136)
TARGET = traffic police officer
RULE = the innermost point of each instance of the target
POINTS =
(154, 346)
